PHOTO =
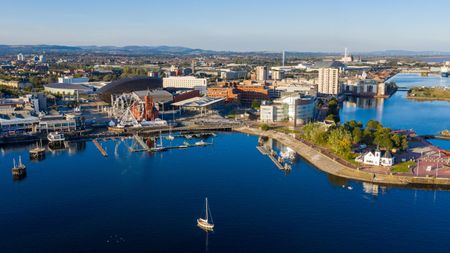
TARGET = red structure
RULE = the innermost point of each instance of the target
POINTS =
(150, 112)
(147, 111)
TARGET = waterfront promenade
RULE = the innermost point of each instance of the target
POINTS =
(335, 166)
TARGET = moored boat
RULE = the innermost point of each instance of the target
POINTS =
(56, 137)
(18, 171)
(201, 143)
(38, 152)
(206, 223)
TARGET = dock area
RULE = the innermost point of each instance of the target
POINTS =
(100, 148)
(271, 154)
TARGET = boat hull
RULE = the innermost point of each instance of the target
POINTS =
(205, 225)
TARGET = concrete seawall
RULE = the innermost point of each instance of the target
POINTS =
(331, 166)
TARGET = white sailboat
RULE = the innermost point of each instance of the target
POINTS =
(205, 223)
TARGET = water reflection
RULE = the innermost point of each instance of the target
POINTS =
(398, 112)
(364, 102)
(337, 181)
(373, 189)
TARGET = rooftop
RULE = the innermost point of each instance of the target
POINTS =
(67, 86)
(328, 64)
(198, 102)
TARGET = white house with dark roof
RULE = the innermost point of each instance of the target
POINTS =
(376, 158)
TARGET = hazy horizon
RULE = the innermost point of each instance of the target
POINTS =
(298, 26)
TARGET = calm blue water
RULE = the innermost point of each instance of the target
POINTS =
(136, 202)
(425, 117)
(78, 201)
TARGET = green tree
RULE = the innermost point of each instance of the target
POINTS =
(256, 104)
(405, 144)
(340, 141)
(383, 138)
(264, 127)
(316, 133)
(357, 135)
(373, 124)
(397, 140)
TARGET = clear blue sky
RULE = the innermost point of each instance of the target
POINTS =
(296, 25)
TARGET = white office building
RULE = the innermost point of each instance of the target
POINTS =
(292, 108)
(186, 82)
(73, 80)
(227, 74)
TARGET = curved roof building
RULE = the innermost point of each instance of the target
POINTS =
(128, 85)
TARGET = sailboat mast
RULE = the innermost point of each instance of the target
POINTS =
(206, 201)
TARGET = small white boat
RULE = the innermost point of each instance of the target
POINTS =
(188, 136)
(184, 145)
(205, 223)
(55, 137)
(201, 143)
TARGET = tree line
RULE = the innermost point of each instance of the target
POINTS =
(342, 138)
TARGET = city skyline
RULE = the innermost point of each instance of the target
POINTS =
(230, 26)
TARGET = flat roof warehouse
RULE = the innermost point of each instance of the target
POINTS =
(199, 102)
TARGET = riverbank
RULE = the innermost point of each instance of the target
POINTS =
(429, 94)
(428, 98)
(332, 166)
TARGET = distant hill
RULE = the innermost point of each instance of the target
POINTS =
(405, 53)
(128, 50)
(36, 49)
(175, 50)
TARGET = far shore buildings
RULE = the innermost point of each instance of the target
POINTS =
(262, 73)
(293, 108)
(328, 80)
(364, 88)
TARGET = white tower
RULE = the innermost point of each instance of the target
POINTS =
(283, 59)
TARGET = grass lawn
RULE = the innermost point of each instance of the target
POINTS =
(403, 167)
(438, 93)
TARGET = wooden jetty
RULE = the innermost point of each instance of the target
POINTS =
(100, 148)
(263, 150)
(278, 162)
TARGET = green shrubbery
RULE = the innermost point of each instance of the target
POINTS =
(341, 138)
(264, 127)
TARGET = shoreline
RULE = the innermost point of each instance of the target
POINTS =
(428, 99)
(331, 166)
